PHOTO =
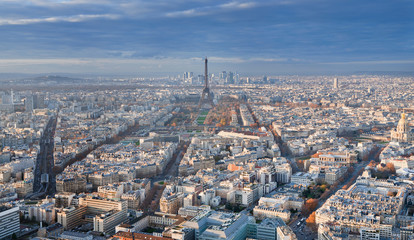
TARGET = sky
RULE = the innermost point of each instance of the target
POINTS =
(172, 36)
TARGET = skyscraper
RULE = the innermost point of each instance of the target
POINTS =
(336, 86)
(29, 103)
(230, 78)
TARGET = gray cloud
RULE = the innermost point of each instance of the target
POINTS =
(75, 18)
(256, 35)
(214, 9)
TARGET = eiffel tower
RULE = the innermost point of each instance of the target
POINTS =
(206, 95)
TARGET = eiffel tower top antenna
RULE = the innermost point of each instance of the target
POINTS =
(205, 73)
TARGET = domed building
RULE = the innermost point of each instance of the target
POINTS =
(403, 133)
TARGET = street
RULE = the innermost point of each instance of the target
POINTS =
(44, 178)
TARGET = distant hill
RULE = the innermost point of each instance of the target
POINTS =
(55, 78)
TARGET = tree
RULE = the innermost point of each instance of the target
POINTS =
(391, 167)
(372, 164)
(391, 194)
(374, 129)
(312, 218)
(57, 169)
(309, 206)
(328, 192)
(316, 155)
(377, 155)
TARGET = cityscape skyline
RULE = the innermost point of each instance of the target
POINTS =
(202, 120)
(289, 157)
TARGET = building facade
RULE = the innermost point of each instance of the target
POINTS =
(9, 221)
